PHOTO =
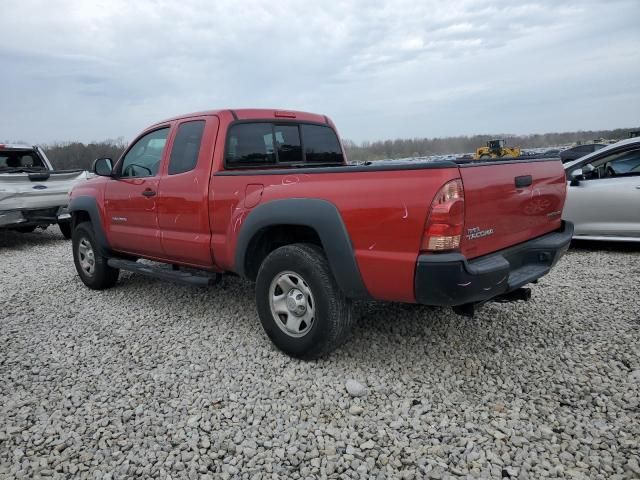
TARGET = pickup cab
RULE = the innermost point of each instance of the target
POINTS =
(268, 195)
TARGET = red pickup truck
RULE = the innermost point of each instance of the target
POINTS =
(268, 195)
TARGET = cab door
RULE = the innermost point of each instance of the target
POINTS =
(130, 199)
(183, 213)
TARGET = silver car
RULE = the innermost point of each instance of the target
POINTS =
(603, 193)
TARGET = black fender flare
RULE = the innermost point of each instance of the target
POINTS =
(90, 205)
(325, 219)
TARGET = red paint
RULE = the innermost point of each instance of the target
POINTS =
(196, 217)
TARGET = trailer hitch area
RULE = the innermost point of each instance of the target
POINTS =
(469, 309)
(521, 293)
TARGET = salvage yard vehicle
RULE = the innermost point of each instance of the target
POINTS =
(603, 197)
(269, 195)
(32, 193)
(497, 149)
(579, 151)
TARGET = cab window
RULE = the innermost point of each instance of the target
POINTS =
(144, 157)
(186, 147)
(626, 163)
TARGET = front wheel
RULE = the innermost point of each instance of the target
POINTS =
(301, 307)
(91, 265)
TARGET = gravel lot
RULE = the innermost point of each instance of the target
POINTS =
(151, 379)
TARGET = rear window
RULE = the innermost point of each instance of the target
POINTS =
(250, 144)
(288, 143)
(321, 144)
(10, 159)
(269, 144)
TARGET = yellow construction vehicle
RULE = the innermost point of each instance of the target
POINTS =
(497, 149)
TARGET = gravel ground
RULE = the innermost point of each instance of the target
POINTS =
(154, 380)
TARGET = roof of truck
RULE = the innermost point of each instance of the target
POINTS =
(255, 113)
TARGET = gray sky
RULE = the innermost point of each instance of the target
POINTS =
(90, 70)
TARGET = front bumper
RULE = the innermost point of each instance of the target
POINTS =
(39, 216)
(449, 279)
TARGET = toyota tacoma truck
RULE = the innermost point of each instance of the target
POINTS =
(268, 195)
(32, 193)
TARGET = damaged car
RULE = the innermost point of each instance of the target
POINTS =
(32, 193)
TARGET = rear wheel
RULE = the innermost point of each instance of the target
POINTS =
(91, 265)
(65, 229)
(301, 307)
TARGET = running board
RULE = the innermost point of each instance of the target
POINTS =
(204, 279)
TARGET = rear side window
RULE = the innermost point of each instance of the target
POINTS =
(250, 144)
(321, 144)
(186, 147)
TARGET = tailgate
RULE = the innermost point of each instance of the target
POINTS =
(507, 203)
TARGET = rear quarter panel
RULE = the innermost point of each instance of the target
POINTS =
(384, 213)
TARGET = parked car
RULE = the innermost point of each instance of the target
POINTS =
(553, 153)
(579, 151)
(32, 193)
(268, 195)
(603, 198)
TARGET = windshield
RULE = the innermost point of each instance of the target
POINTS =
(20, 160)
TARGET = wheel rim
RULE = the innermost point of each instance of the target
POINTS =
(292, 304)
(86, 257)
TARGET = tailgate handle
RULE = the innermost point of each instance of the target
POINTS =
(523, 181)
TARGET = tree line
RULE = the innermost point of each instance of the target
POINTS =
(81, 155)
(71, 155)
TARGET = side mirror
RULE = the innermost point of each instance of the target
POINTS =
(576, 176)
(103, 167)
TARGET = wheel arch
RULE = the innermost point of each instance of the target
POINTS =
(83, 209)
(299, 220)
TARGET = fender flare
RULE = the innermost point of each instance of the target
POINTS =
(90, 205)
(325, 219)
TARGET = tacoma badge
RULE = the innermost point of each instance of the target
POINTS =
(475, 232)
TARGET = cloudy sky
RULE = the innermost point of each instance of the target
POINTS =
(90, 70)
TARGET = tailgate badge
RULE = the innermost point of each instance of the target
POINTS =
(39, 187)
(475, 233)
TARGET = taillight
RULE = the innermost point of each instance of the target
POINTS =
(446, 219)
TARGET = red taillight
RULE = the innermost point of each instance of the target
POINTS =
(446, 219)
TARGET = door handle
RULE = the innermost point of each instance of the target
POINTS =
(523, 181)
(149, 193)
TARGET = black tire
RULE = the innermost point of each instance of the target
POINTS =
(102, 276)
(332, 318)
(28, 229)
(65, 229)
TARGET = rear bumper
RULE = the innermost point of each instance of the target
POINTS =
(450, 279)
